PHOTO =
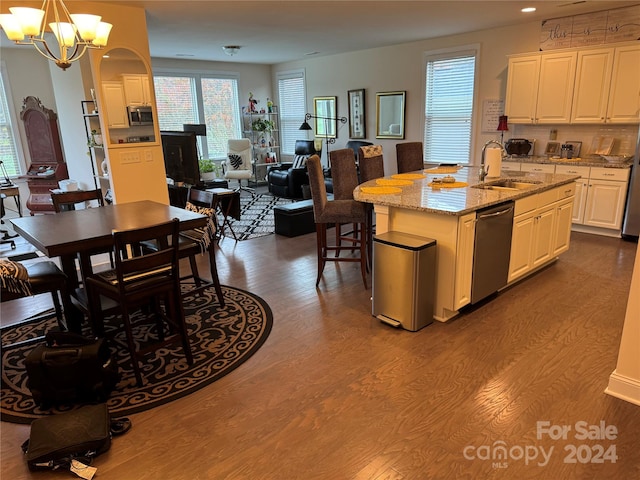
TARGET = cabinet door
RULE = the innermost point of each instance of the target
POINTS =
(593, 80)
(115, 106)
(605, 204)
(543, 235)
(464, 260)
(511, 166)
(624, 96)
(522, 89)
(555, 87)
(136, 89)
(521, 245)
(580, 200)
(562, 228)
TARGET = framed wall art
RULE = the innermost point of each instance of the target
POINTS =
(357, 114)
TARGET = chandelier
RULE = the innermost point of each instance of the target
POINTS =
(74, 33)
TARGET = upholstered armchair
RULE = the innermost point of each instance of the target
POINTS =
(286, 179)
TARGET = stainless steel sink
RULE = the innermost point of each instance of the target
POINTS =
(507, 184)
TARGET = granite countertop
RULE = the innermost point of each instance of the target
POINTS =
(587, 161)
(460, 200)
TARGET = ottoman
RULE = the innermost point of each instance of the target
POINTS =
(294, 219)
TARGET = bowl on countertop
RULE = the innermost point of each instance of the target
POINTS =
(616, 158)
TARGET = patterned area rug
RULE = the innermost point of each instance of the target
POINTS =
(221, 340)
(256, 217)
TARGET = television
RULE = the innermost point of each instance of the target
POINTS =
(181, 156)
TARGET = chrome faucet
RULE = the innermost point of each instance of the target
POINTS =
(483, 173)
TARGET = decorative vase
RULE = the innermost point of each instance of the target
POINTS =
(104, 166)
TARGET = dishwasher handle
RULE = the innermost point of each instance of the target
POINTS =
(495, 214)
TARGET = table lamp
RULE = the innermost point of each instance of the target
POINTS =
(502, 127)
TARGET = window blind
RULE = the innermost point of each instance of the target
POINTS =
(449, 109)
(292, 109)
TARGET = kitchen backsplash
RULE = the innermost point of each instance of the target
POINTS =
(625, 136)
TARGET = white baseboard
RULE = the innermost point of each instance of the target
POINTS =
(624, 388)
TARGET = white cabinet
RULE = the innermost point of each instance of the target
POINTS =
(522, 88)
(580, 86)
(114, 105)
(464, 260)
(600, 195)
(541, 229)
(555, 87)
(136, 90)
(562, 227)
(593, 80)
(624, 96)
(540, 88)
(606, 197)
(607, 88)
(582, 187)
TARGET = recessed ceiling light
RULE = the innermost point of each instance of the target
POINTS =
(528, 9)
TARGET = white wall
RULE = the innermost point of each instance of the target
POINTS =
(401, 67)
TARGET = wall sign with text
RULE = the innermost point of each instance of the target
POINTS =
(597, 28)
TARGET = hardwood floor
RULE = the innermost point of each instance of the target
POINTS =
(335, 394)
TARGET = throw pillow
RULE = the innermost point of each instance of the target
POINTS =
(300, 161)
(235, 160)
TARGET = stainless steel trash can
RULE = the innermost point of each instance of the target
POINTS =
(404, 279)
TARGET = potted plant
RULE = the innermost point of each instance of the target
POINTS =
(262, 125)
(209, 170)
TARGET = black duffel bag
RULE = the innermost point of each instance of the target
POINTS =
(70, 368)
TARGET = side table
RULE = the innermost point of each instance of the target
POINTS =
(227, 202)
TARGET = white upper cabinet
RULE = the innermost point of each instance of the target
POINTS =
(555, 87)
(522, 89)
(136, 90)
(593, 80)
(624, 97)
(583, 86)
(114, 105)
(540, 88)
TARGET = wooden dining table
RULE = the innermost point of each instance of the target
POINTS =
(77, 233)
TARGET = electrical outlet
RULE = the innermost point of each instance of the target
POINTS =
(148, 156)
(553, 134)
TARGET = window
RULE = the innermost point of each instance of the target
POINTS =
(10, 150)
(449, 99)
(194, 98)
(291, 93)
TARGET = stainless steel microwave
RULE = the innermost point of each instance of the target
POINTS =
(140, 115)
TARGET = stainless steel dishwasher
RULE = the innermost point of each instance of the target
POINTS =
(492, 250)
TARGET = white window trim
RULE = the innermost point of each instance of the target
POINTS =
(12, 115)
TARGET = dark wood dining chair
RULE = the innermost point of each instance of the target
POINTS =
(327, 212)
(143, 278)
(409, 156)
(201, 240)
(19, 281)
(65, 201)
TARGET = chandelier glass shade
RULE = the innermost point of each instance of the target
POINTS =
(73, 33)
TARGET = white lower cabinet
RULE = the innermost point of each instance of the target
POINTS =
(464, 261)
(541, 230)
(600, 195)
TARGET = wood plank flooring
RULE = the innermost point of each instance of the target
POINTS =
(335, 394)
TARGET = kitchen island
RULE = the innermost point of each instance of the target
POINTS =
(447, 213)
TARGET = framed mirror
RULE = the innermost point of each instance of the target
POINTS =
(390, 114)
(324, 109)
